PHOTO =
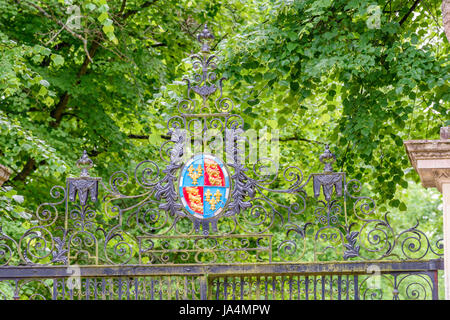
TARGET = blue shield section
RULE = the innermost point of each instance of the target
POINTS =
(215, 202)
(196, 163)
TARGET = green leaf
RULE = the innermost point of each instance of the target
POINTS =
(108, 29)
(395, 203)
(42, 91)
(103, 17)
(57, 59)
(282, 121)
(291, 46)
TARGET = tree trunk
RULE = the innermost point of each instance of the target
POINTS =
(4, 174)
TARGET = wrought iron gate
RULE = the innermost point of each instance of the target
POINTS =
(317, 281)
(205, 226)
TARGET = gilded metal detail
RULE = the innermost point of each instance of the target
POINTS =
(213, 199)
(213, 173)
(195, 173)
(195, 199)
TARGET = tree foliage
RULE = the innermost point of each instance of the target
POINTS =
(325, 74)
(317, 70)
(66, 87)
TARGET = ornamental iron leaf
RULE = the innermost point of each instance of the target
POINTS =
(351, 245)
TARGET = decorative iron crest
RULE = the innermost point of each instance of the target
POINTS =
(204, 189)
(200, 208)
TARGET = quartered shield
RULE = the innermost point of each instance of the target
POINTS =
(204, 186)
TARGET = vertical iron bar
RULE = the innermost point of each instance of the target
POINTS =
(63, 289)
(339, 287)
(103, 289)
(16, 290)
(306, 288)
(233, 279)
(355, 277)
(266, 293)
(395, 297)
(119, 282)
(225, 289)
(152, 288)
(145, 292)
(186, 284)
(55, 289)
(434, 277)
(161, 289)
(322, 279)
(331, 287)
(274, 287)
(136, 288)
(128, 282)
(95, 289)
(315, 288)
(169, 288)
(111, 289)
(193, 288)
(290, 287)
(87, 289)
(218, 289)
(347, 286)
(177, 297)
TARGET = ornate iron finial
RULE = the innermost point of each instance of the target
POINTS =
(84, 163)
(327, 155)
(328, 180)
(205, 82)
(204, 38)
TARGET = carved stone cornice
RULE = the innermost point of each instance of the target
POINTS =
(431, 160)
(427, 149)
(441, 176)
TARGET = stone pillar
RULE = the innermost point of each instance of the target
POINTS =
(431, 160)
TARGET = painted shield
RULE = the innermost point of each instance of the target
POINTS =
(204, 186)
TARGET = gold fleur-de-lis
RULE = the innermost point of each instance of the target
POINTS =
(213, 200)
(195, 174)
